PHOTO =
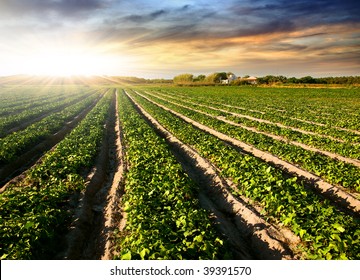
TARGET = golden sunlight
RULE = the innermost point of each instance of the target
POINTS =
(65, 62)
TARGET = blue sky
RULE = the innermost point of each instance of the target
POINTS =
(164, 38)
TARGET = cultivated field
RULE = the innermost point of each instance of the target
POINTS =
(179, 173)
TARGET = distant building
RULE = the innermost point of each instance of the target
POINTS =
(230, 78)
(250, 80)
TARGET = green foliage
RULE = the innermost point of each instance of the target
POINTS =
(34, 211)
(164, 219)
(16, 110)
(199, 78)
(216, 77)
(326, 232)
(183, 79)
(16, 143)
(332, 170)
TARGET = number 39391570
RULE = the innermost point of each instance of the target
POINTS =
(223, 270)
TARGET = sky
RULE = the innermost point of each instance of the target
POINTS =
(161, 39)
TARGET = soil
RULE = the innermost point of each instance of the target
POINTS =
(98, 212)
(115, 217)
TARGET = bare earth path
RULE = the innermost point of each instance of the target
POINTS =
(98, 213)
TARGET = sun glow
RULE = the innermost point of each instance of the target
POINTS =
(66, 62)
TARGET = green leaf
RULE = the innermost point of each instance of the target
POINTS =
(198, 238)
(29, 225)
(126, 256)
(144, 252)
(302, 232)
(338, 227)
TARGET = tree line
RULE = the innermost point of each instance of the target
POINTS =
(218, 77)
(270, 79)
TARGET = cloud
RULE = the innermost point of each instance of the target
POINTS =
(191, 34)
(303, 12)
(41, 8)
(138, 18)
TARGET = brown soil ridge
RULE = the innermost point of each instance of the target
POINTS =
(252, 118)
(249, 234)
(275, 137)
(86, 238)
(115, 217)
(334, 193)
(12, 172)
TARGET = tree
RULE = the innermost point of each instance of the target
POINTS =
(307, 80)
(199, 78)
(216, 77)
(184, 78)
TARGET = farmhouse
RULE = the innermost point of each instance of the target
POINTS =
(251, 80)
(230, 78)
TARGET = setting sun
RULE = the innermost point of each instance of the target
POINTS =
(67, 62)
(62, 63)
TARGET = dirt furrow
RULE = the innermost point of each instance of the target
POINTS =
(97, 214)
(334, 193)
(249, 234)
(115, 217)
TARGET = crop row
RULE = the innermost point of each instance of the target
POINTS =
(276, 116)
(35, 211)
(30, 97)
(26, 96)
(325, 231)
(164, 218)
(14, 144)
(10, 121)
(332, 170)
(324, 143)
(335, 107)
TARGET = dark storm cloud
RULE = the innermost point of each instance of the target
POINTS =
(145, 18)
(305, 12)
(171, 25)
(272, 26)
(236, 19)
(172, 34)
